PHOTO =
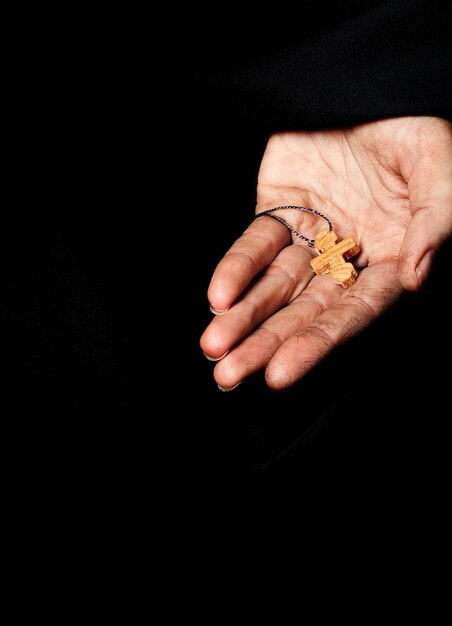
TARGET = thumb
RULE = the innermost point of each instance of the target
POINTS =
(430, 193)
(429, 228)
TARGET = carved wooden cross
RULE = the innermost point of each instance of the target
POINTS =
(333, 256)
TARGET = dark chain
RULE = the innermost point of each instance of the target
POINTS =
(310, 242)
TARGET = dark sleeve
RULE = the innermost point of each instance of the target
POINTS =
(304, 67)
(360, 62)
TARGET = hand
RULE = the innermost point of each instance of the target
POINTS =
(388, 184)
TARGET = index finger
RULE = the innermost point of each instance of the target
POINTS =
(250, 254)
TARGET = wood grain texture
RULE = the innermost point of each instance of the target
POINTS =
(333, 258)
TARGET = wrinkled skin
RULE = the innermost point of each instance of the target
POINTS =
(386, 183)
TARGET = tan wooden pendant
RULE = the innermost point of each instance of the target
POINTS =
(333, 258)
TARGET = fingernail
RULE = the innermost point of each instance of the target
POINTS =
(218, 358)
(226, 389)
(423, 269)
(217, 311)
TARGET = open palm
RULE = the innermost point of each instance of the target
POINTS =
(388, 184)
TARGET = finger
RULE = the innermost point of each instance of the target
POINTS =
(281, 282)
(430, 191)
(376, 288)
(249, 255)
(256, 350)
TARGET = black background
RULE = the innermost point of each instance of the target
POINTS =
(137, 165)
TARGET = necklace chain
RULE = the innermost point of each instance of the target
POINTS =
(269, 212)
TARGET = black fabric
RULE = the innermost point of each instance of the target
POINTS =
(141, 171)
(374, 60)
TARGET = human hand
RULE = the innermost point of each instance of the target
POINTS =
(388, 184)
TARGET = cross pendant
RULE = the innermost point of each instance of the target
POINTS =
(333, 256)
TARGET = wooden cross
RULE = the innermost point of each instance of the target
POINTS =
(333, 256)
